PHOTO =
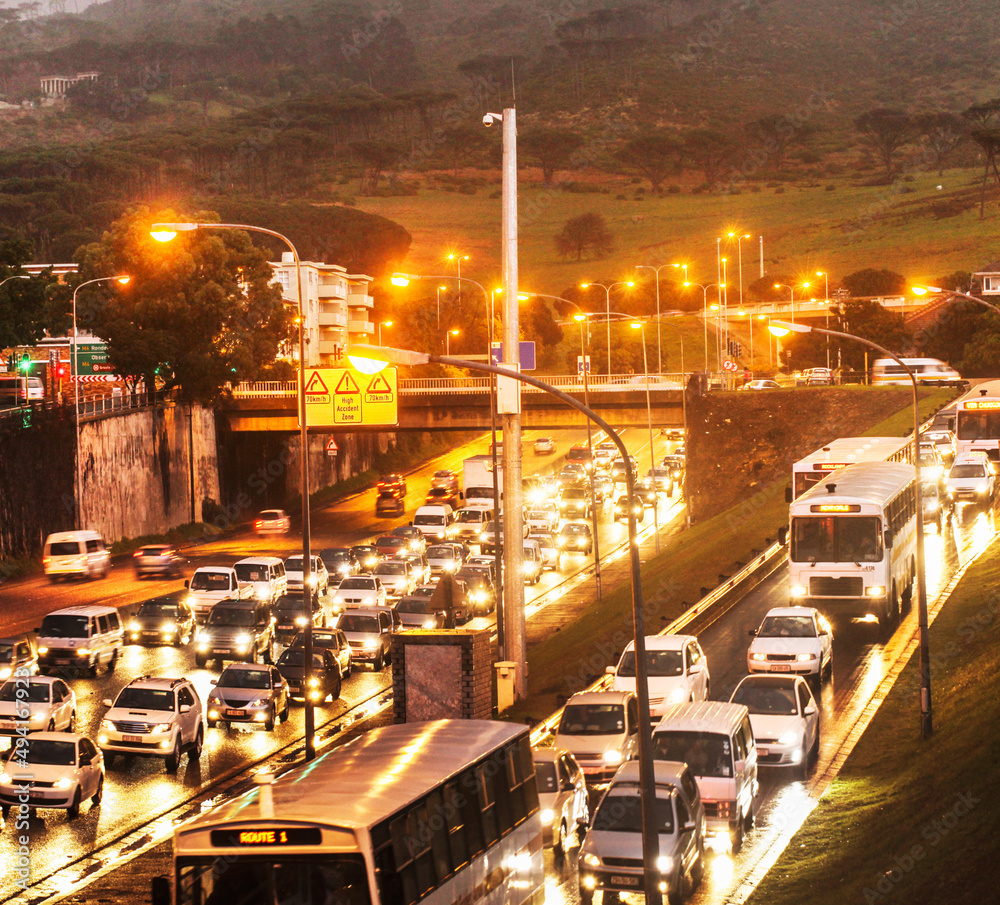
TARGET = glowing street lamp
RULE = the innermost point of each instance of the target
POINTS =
(380, 326)
(447, 340)
(607, 302)
(791, 289)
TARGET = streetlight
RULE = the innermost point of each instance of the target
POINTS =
(656, 270)
(607, 303)
(780, 328)
(439, 306)
(704, 304)
(641, 327)
(791, 289)
(683, 267)
(370, 360)
(76, 392)
(458, 258)
(380, 326)
(923, 290)
(165, 232)
(19, 276)
(826, 301)
(739, 252)
(447, 340)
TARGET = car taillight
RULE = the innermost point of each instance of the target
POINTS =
(137, 554)
(258, 524)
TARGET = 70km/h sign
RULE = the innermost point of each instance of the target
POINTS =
(339, 396)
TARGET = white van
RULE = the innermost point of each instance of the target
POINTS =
(532, 561)
(80, 637)
(266, 574)
(676, 671)
(470, 521)
(433, 522)
(601, 730)
(928, 372)
(16, 390)
(75, 553)
(716, 741)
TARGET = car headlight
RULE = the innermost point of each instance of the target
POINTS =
(664, 864)
(5, 673)
(64, 782)
(798, 590)
(548, 815)
(160, 728)
(338, 598)
(313, 682)
(5, 778)
(803, 657)
(757, 657)
(107, 726)
(344, 570)
(214, 700)
(931, 506)
(168, 627)
(242, 639)
(37, 717)
(591, 860)
(301, 620)
(257, 702)
(612, 757)
(83, 651)
(788, 738)
(192, 600)
(371, 643)
(43, 650)
(134, 626)
(313, 580)
(876, 590)
(677, 695)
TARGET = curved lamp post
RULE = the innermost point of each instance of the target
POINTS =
(165, 232)
(779, 328)
(656, 270)
(704, 305)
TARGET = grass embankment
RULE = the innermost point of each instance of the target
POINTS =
(688, 564)
(909, 820)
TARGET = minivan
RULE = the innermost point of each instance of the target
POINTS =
(716, 741)
(266, 574)
(75, 553)
(80, 637)
(433, 521)
(19, 390)
(601, 730)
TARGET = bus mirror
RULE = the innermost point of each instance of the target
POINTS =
(887, 539)
(160, 889)
(783, 535)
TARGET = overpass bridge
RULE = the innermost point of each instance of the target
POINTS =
(444, 403)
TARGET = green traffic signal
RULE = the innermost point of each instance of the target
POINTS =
(25, 363)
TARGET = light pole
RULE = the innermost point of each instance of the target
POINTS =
(165, 232)
(76, 392)
(607, 306)
(761, 256)
(439, 307)
(447, 340)
(704, 304)
(19, 276)
(954, 293)
(656, 270)
(683, 267)
(791, 290)
(826, 301)
(770, 354)
(641, 327)
(739, 253)
(780, 328)
(458, 258)
(373, 359)
(380, 326)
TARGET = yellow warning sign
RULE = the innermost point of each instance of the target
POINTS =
(357, 398)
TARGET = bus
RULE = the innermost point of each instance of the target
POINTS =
(853, 541)
(844, 451)
(928, 371)
(977, 421)
(437, 812)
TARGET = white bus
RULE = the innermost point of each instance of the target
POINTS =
(844, 451)
(977, 421)
(852, 543)
(436, 812)
(928, 371)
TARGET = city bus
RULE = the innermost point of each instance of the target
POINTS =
(852, 543)
(844, 451)
(436, 812)
(928, 372)
(977, 421)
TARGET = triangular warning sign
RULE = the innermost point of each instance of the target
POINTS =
(379, 385)
(315, 385)
(347, 384)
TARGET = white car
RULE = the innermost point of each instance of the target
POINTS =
(562, 797)
(272, 521)
(601, 729)
(784, 718)
(443, 559)
(396, 576)
(549, 547)
(676, 671)
(319, 578)
(971, 478)
(359, 591)
(65, 769)
(158, 717)
(541, 519)
(792, 639)
(42, 703)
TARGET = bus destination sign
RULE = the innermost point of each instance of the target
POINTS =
(836, 507)
(265, 836)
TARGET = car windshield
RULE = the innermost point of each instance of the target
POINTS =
(45, 751)
(245, 678)
(153, 608)
(6, 653)
(390, 543)
(293, 564)
(424, 592)
(623, 814)
(574, 528)
(64, 548)
(365, 551)
(33, 693)
(390, 568)
(291, 606)
(787, 627)
(333, 560)
(967, 471)
(545, 776)
(467, 516)
(441, 552)
(296, 657)
(64, 626)
(145, 699)
(358, 583)
(419, 607)
(428, 520)
(592, 719)
(767, 698)
(223, 615)
(706, 753)
(271, 514)
(355, 622)
(659, 663)
(246, 572)
(574, 493)
(154, 551)
(210, 581)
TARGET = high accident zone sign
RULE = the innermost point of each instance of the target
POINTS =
(339, 396)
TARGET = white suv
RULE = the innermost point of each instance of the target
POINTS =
(157, 717)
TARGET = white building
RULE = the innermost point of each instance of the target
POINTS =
(55, 86)
(336, 305)
(990, 275)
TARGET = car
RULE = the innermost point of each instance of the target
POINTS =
(574, 502)
(931, 461)
(415, 541)
(645, 492)
(601, 729)
(359, 591)
(395, 483)
(676, 671)
(319, 578)
(292, 613)
(541, 520)
(761, 385)
(340, 562)
(675, 464)
(469, 523)
(576, 537)
(397, 577)
(675, 433)
(572, 474)
(533, 562)
(389, 503)
(618, 469)
(18, 656)
(443, 558)
(943, 439)
(491, 536)
(815, 377)
(662, 478)
(236, 630)
(604, 488)
(487, 563)
(419, 565)
(544, 446)
(154, 717)
(540, 490)
(326, 680)
(168, 619)
(549, 547)
(784, 718)
(418, 612)
(369, 632)
(794, 639)
(580, 455)
(158, 559)
(333, 640)
(936, 503)
(562, 797)
(681, 452)
(622, 507)
(248, 693)
(443, 496)
(35, 704)
(367, 557)
(445, 478)
(272, 521)
(478, 590)
(388, 545)
(64, 770)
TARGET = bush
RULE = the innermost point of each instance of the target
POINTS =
(674, 190)
(780, 190)
(831, 188)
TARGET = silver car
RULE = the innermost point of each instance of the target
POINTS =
(248, 693)
(158, 559)
(562, 797)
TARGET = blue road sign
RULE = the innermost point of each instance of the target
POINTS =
(527, 354)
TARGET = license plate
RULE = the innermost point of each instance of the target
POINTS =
(624, 880)
(236, 713)
(219, 650)
(132, 738)
(781, 667)
(6, 725)
(285, 628)
(63, 662)
(592, 769)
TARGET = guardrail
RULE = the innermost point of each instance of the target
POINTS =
(93, 406)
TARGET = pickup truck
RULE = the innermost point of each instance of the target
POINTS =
(210, 584)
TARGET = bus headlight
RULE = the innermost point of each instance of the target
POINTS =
(612, 757)
(798, 590)
(664, 864)
(876, 590)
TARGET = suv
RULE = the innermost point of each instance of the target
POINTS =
(369, 632)
(156, 717)
(236, 630)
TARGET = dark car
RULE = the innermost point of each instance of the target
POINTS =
(158, 559)
(333, 640)
(621, 509)
(645, 490)
(416, 543)
(576, 537)
(292, 612)
(574, 502)
(389, 503)
(326, 681)
(443, 496)
(395, 483)
(340, 562)
(478, 589)
(418, 612)
(676, 466)
(663, 479)
(618, 469)
(573, 474)
(367, 556)
(168, 619)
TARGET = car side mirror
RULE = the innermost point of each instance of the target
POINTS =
(887, 539)
(106, 702)
(159, 888)
(752, 633)
(213, 682)
(783, 535)
(810, 709)
(187, 583)
(740, 766)
(688, 826)
(185, 708)
(610, 671)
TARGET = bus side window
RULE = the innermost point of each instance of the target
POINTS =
(437, 827)
(487, 804)
(457, 841)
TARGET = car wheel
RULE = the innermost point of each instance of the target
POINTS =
(560, 844)
(377, 663)
(99, 794)
(736, 838)
(269, 722)
(269, 653)
(173, 758)
(51, 727)
(802, 771)
(94, 667)
(201, 661)
(336, 689)
(211, 723)
(284, 712)
(109, 759)
(72, 722)
(113, 662)
(199, 743)
(586, 896)
(73, 811)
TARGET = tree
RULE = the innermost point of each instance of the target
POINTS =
(870, 282)
(551, 149)
(376, 157)
(588, 231)
(199, 312)
(942, 134)
(773, 134)
(870, 320)
(653, 153)
(710, 151)
(886, 132)
(23, 310)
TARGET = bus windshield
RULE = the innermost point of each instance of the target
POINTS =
(979, 425)
(271, 881)
(836, 539)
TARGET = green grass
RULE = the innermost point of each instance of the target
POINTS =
(896, 825)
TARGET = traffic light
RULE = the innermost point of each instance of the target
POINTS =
(25, 364)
